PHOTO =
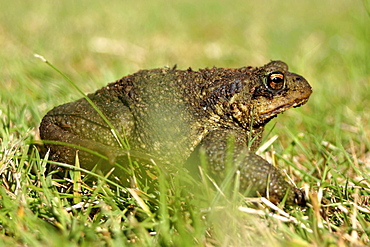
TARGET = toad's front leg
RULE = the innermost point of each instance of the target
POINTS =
(257, 176)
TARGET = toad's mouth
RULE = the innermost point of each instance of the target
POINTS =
(282, 108)
(267, 116)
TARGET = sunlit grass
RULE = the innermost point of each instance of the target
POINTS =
(322, 146)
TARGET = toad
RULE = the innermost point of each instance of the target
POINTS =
(177, 115)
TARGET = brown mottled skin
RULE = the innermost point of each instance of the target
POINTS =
(173, 114)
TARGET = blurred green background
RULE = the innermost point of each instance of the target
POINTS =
(96, 42)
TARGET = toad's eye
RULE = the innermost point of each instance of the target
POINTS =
(275, 80)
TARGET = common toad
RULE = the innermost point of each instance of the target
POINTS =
(173, 115)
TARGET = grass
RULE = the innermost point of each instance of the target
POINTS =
(323, 146)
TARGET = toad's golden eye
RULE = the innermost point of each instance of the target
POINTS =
(275, 80)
